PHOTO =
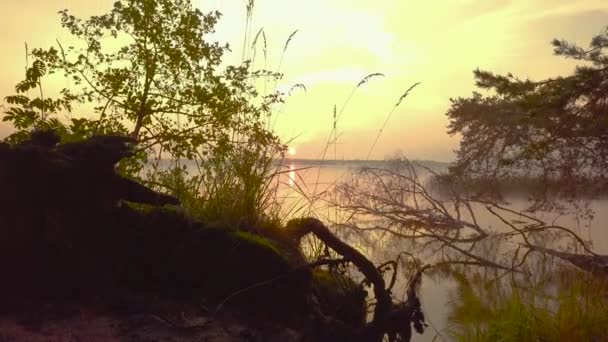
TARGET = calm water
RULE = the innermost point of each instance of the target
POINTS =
(303, 190)
(302, 182)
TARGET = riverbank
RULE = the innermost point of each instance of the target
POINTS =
(87, 247)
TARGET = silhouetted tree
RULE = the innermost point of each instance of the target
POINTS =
(555, 130)
(150, 71)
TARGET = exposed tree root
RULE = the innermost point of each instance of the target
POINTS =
(389, 319)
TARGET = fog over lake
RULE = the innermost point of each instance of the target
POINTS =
(434, 291)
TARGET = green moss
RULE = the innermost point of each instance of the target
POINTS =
(323, 278)
(295, 226)
(340, 285)
(257, 240)
(340, 297)
(149, 208)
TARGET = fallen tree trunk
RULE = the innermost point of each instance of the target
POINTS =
(596, 263)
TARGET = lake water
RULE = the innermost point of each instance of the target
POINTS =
(301, 182)
(304, 190)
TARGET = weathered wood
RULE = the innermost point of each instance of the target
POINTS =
(597, 264)
(389, 319)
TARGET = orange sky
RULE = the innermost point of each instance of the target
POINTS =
(436, 42)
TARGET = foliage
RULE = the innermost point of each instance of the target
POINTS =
(148, 69)
(236, 188)
(488, 309)
(340, 296)
(258, 240)
(555, 129)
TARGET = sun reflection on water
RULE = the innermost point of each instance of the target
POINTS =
(292, 175)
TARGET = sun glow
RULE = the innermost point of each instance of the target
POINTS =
(291, 151)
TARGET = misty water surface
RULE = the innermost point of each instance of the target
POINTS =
(319, 180)
(303, 190)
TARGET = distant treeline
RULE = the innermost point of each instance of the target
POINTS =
(360, 163)
(434, 165)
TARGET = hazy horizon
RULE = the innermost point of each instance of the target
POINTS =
(339, 42)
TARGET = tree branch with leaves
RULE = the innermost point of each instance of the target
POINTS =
(148, 67)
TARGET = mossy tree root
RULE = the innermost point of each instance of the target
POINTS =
(392, 320)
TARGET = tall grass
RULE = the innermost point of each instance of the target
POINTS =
(572, 306)
(237, 188)
(243, 185)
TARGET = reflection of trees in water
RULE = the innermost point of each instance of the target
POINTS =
(382, 203)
